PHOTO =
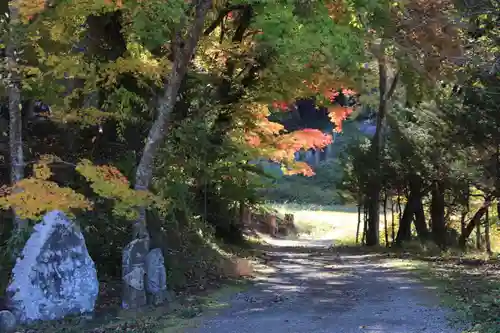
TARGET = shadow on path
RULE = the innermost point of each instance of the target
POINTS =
(307, 288)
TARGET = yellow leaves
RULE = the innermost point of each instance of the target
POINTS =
(259, 110)
(212, 53)
(33, 197)
(142, 67)
(108, 182)
(42, 171)
(69, 66)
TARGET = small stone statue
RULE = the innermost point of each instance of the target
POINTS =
(156, 277)
(133, 266)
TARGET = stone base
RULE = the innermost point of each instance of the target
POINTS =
(7, 321)
(133, 298)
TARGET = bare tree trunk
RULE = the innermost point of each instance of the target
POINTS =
(487, 239)
(386, 232)
(437, 214)
(465, 211)
(475, 220)
(400, 210)
(420, 225)
(166, 103)
(365, 223)
(392, 221)
(359, 220)
(415, 208)
(478, 234)
(372, 236)
(15, 115)
(404, 230)
(134, 254)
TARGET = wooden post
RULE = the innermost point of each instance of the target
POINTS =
(273, 226)
(392, 221)
(245, 215)
(386, 233)
(487, 239)
(359, 220)
(289, 220)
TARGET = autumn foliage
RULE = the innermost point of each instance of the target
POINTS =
(34, 196)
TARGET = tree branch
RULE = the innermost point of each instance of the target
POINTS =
(221, 17)
(393, 85)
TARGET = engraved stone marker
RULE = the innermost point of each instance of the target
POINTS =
(55, 276)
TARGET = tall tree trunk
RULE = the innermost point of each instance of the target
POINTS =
(475, 220)
(365, 222)
(392, 221)
(400, 210)
(372, 236)
(386, 232)
(463, 216)
(478, 234)
(404, 230)
(437, 213)
(465, 210)
(415, 208)
(487, 239)
(183, 52)
(134, 254)
(15, 115)
(359, 219)
(420, 224)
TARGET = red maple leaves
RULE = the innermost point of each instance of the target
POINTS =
(280, 105)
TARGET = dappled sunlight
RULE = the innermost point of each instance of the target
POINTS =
(314, 289)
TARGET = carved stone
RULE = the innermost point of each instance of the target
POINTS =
(55, 275)
(133, 271)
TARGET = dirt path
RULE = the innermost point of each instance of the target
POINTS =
(312, 290)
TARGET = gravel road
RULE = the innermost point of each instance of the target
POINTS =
(311, 290)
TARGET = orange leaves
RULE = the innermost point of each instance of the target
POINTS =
(29, 8)
(337, 9)
(117, 3)
(112, 174)
(337, 115)
(300, 168)
(253, 139)
(306, 139)
(271, 141)
(323, 82)
(284, 146)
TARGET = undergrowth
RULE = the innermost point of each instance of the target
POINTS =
(471, 288)
(199, 268)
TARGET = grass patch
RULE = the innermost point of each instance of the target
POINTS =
(177, 316)
(319, 221)
(338, 222)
